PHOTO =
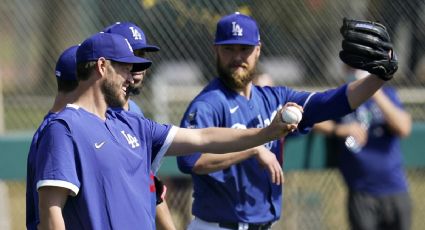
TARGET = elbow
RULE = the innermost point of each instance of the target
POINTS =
(405, 132)
(406, 127)
(200, 169)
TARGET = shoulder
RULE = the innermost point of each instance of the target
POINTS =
(72, 115)
(45, 121)
(212, 96)
(276, 94)
(125, 115)
(213, 91)
(273, 90)
(133, 107)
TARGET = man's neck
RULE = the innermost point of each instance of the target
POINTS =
(245, 91)
(126, 106)
(90, 97)
(61, 100)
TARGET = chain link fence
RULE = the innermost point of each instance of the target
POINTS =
(300, 45)
(312, 200)
(300, 41)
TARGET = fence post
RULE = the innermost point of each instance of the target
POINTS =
(4, 207)
(2, 128)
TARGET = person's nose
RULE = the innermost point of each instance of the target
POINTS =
(130, 78)
(238, 56)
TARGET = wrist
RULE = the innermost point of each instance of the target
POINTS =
(255, 152)
(334, 131)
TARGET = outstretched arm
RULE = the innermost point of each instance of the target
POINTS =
(163, 219)
(362, 89)
(224, 140)
(367, 46)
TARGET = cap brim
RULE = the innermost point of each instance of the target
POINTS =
(147, 48)
(140, 66)
(139, 63)
(237, 42)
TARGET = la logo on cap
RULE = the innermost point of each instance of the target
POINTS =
(236, 29)
(136, 34)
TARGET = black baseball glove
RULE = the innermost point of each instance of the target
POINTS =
(367, 46)
(160, 189)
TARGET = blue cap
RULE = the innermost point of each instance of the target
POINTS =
(67, 64)
(134, 35)
(112, 47)
(237, 29)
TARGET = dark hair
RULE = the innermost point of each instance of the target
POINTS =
(66, 86)
(84, 70)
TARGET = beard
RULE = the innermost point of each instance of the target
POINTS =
(235, 80)
(133, 90)
(112, 94)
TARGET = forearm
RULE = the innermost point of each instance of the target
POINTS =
(52, 219)
(208, 162)
(221, 140)
(325, 127)
(163, 219)
(51, 202)
(398, 120)
(361, 90)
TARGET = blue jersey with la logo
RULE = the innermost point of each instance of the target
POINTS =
(244, 192)
(104, 164)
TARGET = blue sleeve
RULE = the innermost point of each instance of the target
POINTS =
(55, 160)
(322, 106)
(199, 115)
(159, 134)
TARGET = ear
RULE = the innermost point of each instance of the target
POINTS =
(259, 50)
(215, 49)
(101, 66)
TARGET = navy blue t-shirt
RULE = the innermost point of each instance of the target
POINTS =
(377, 168)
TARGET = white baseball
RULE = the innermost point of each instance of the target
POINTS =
(291, 115)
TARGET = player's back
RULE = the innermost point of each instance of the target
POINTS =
(32, 216)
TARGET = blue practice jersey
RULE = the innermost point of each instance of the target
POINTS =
(32, 216)
(105, 165)
(244, 192)
(378, 168)
(134, 108)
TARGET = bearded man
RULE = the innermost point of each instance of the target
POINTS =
(242, 190)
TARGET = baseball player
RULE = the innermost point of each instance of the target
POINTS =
(137, 39)
(233, 191)
(378, 193)
(67, 82)
(93, 163)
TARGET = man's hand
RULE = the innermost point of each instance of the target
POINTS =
(354, 129)
(367, 46)
(268, 161)
(280, 129)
